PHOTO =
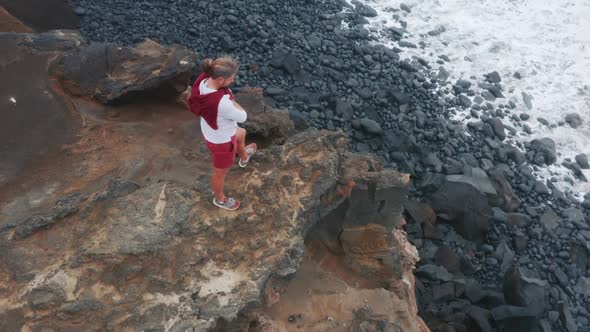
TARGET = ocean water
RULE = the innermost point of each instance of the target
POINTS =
(546, 41)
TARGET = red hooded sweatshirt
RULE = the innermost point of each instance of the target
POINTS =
(207, 106)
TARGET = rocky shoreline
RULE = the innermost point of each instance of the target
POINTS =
(500, 250)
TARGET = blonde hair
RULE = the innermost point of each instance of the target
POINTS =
(225, 67)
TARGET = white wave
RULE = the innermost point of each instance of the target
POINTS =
(546, 41)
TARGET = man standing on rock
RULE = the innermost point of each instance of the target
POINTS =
(213, 101)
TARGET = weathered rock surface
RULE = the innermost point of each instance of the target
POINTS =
(109, 72)
(162, 257)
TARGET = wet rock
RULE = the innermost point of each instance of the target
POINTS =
(420, 212)
(583, 286)
(510, 311)
(545, 326)
(521, 290)
(343, 109)
(579, 255)
(504, 255)
(488, 95)
(464, 207)
(370, 126)
(474, 292)
(546, 148)
(398, 141)
(464, 100)
(443, 292)
(498, 128)
(561, 277)
(528, 100)
(578, 174)
(286, 60)
(512, 153)
(574, 120)
(493, 77)
(398, 96)
(574, 215)
(518, 219)
(565, 316)
(582, 161)
(514, 319)
(541, 188)
(481, 317)
(550, 220)
(477, 178)
(520, 242)
(434, 273)
(505, 197)
(447, 258)
(274, 91)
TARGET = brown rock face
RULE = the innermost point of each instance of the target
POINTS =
(111, 232)
(109, 73)
(9, 23)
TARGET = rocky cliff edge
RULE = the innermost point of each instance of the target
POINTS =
(108, 230)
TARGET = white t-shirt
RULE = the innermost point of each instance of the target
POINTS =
(228, 116)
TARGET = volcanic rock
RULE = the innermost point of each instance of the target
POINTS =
(520, 290)
(108, 72)
(574, 120)
(464, 207)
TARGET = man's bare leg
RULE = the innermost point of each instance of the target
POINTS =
(241, 140)
(218, 181)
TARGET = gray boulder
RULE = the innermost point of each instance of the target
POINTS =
(477, 178)
(493, 77)
(511, 318)
(343, 109)
(546, 148)
(574, 120)
(505, 197)
(498, 128)
(528, 100)
(550, 220)
(370, 126)
(524, 291)
(286, 60)
(464, 207)
(582, 161)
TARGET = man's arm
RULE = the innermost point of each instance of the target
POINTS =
(238, 105)
(232, 110)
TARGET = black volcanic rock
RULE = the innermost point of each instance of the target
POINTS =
(464, 207)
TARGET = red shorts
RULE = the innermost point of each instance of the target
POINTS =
(223, 155)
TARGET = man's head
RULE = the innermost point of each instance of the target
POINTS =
(222, 70)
